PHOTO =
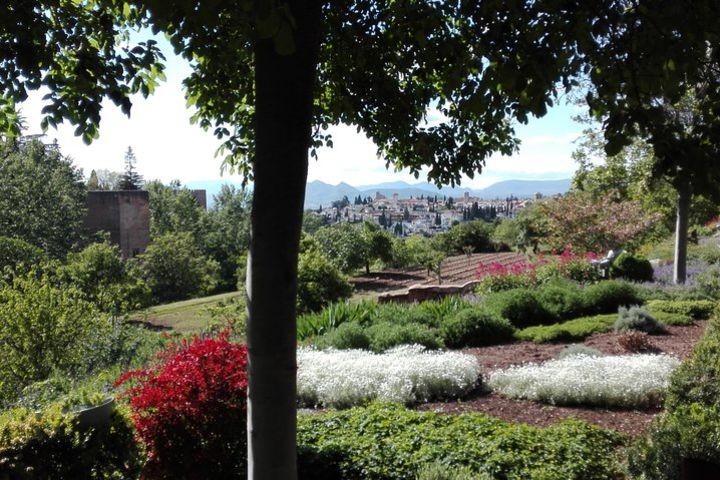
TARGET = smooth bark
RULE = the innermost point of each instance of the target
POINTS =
(284, 94)
(681, 233)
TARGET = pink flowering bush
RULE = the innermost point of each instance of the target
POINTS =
(495, 276)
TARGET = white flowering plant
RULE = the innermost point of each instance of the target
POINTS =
(406, 374)
(627, 381)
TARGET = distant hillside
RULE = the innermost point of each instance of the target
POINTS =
(524, 188)
(319, 193)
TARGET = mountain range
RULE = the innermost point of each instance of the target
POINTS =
(320, 193)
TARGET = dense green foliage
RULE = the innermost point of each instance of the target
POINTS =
(19, 256)
(104, 279)
(457, 323)
(471, 236)
(42, 200)
(221, 233)
(381, 326)
(571, 330)
(43, 329)
(440, 471)
(475, 327)
(174, 268)
(391, 442)
(320, 282)
(697, 309)
(51, 444)
(689, 429)
(519, 306)
(606, 297)
(632, 268)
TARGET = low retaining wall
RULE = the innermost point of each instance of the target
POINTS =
(421, 293)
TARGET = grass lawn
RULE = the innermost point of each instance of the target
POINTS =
(186, 316)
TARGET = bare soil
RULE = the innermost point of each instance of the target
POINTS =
(679, 341)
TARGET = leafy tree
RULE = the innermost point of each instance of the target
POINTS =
(344, 245)
(587, 224)
(108, 180)
(320, 282)
(99, 272)
(654, 76)
(130, 178)
(174, 268)
(93, 183)
(475, 234)
(313, 222)
(18, 256)
(628, 175)
(509, 232)
(173, 209)
(227, 231)
(43, 329)
(378, 244)
(42, 199)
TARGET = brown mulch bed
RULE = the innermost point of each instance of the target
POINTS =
(678, 342)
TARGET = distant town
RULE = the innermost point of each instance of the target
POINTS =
(423, 214)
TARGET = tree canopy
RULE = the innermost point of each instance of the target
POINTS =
(42, 198)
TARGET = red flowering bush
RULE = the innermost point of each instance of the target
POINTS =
(189, 410)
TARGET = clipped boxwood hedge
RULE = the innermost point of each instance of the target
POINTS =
(572, 330)
(697, 309)
(475, 327)
(391, 442)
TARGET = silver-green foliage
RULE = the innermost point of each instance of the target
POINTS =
(637, 318)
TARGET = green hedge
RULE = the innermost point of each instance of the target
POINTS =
(608, 296)
(698, 309)
(521, 307)
(673, 319)
(630, 267)
(390, 442)
(475, 327)
(571, 330)
(690, 426)
(52, 445)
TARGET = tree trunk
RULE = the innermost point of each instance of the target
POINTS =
(681, 233)
(284, 87)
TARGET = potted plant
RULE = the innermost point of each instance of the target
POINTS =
(92, 409)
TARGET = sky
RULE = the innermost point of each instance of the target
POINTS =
(168, 147)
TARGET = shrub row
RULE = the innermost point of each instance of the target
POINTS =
(455, 323)
(580, 328)
(572, 330)
(470, 327)
(558, 300)
(391, 442)
(697, 309)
